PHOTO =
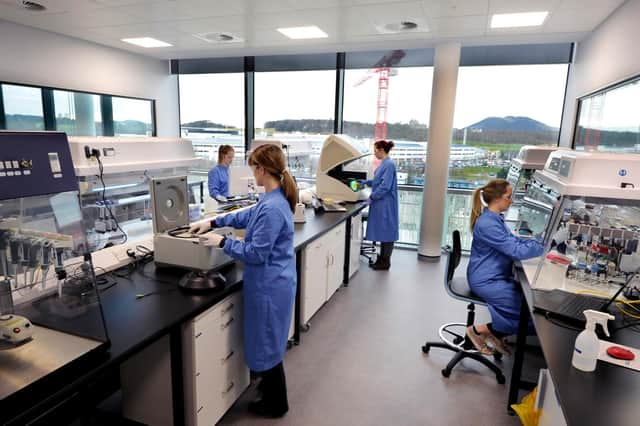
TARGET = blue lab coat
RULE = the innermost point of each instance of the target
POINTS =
(269, 276)
(382, 224)
(489, 273)
(219, 181)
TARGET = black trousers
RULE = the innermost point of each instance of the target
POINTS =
(274, 389)
(385, 252)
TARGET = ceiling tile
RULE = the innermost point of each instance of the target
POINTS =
(570, 20)
(183, 9)
(214, 24)
(459, 26)
(440, 8)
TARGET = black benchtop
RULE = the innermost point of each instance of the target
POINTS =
(610, 395)
(133, 324)
(318, 224)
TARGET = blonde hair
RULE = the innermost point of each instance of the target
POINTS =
(491, 191)
(224, 150)
(271, 158)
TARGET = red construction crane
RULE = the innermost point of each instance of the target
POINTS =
(383, 68)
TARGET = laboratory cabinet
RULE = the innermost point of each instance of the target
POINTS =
(323, 270)
(355, 242)
(547, 402)
(215, 373)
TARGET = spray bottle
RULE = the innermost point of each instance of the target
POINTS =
(585, 352)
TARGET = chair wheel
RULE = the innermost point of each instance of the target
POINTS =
(305, 327)
(447, 373)
(500, 379)
(458, 340)
(425, 349)
(497, 356)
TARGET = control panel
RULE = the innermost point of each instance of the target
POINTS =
(35, 163)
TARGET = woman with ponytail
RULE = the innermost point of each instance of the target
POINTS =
(269, 274)
(382, 224)
(489, 273)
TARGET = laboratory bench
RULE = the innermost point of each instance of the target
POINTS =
(607, 396)
(148, 333)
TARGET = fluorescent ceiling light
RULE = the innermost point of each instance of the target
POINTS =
(146, 42)
(512, 20)
(303, 32)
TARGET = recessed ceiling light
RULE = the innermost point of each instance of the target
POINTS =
(146, 42)
(33, 6)
(512, 20)
(217, 37)
(303, 32)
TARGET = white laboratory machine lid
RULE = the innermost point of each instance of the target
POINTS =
(592, 174)
(170, 201)
(340, 149)
(130, 154)
(533, 157)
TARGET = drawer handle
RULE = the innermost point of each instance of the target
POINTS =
(229, 388)
(199, 334)
(200, 409)
(226, 358)
(198, 374)
(228, 308)
(226, 324)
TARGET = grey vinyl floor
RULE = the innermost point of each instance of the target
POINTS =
(361, 361)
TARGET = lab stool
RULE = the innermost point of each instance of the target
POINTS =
(367, 248)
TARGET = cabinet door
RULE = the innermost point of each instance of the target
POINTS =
(356, 242)
(314, 279)
(335, 272)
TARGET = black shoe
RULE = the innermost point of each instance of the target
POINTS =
(260, 408)
(382, 266)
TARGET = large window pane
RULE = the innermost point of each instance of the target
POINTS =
(77, 114)
(609, 121)
(132, 117)
(22, 107)
(297, 108)
(499, 109)
(408, 96)
(212, 114)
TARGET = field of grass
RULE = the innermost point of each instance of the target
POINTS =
(493, 146)
(474, 173)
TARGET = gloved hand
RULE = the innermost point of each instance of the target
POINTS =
(561, 235)
(211, 239)
(200, 227)
(221, 198)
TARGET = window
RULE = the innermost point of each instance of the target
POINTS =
(22, 107)
(77, 114)
(407, 114)
(499, 109)
(132, 117)
(212, 114)
(609, 121)
(296, 108)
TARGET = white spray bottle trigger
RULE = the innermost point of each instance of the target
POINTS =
(597, 317)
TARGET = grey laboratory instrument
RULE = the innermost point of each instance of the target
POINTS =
(174, 246)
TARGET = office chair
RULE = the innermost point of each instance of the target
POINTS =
(452, 335)
(367, 248)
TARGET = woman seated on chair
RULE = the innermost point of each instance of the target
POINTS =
(489, 273)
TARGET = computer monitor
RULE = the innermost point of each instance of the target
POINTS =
(241, 180)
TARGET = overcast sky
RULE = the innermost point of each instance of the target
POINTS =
(536, 91)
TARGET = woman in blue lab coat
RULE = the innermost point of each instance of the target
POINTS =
(269, 273)
(219, 175)
(382, 224)
(489, 273)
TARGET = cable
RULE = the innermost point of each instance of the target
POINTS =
(104, 200)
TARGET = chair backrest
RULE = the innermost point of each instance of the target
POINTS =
(454, 256)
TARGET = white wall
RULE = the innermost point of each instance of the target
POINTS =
(608, 55)
(32, 56)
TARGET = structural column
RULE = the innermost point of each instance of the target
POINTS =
(443, 99)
